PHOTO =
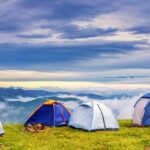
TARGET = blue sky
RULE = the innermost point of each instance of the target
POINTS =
(67, 40)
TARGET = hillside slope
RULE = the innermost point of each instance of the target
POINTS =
(127, 138)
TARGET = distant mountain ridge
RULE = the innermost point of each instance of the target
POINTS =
(15, 92)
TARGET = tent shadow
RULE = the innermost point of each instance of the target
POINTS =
(97, 130)
(136, 126)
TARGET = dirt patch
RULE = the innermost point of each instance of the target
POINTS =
(2, 145)
(36, 128)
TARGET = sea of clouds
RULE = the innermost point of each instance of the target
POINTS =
(121, 107)
(120, 101)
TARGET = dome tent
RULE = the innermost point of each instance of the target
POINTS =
(141, 115)
(1, 129)
(51, 113)
(93, 116)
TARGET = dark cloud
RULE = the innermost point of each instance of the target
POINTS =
(58, 57)
(63, 9)
(33, 36)
(140, 29)
(70, 31)
(86, 33)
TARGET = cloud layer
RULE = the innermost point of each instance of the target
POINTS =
(120, 101)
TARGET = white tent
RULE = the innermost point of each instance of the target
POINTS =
(93, 116)
(1, 129)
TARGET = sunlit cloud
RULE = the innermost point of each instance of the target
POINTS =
(68, 85)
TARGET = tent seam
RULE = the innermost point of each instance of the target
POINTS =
(102, 116)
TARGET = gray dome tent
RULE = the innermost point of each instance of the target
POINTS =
(93, 116)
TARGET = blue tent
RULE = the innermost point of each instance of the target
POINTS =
(51, 113)
(141, 114)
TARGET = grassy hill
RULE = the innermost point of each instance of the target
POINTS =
(65, 138)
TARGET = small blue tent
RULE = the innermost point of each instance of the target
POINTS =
(51, 113)
(141, 114)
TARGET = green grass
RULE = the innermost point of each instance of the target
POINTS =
(65, 138)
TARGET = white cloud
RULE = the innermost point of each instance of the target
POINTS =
(9, 113)
(71, 104)
(68, 85)
(38, 75)
(122, 107)
(21, 99)
(106, 21)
